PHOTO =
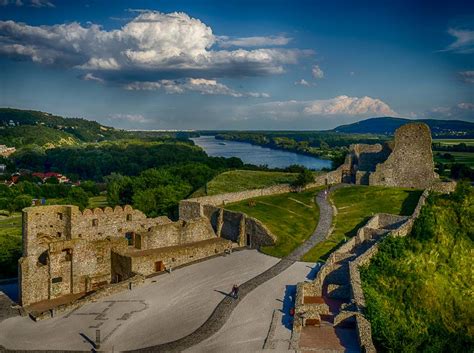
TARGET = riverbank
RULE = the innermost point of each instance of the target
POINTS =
(259, 155)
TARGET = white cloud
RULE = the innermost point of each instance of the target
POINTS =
(200, 85)
(91, 77)
(317, 72)
(302, 82)
(466, 106)
(32, 3)
(467, 76)
(41, 3)
(329, 109)
(225, 41)
(131, 118)
(464, 41)
(150, 47)
(345, 105)
(460, 111)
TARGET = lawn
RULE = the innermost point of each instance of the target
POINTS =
(10, 244)
(291, 217)
(240, 180)
(355, 205)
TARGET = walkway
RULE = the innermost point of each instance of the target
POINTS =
(224, 309)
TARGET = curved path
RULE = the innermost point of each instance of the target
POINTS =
(222, 312)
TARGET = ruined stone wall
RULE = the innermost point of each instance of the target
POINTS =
(67, 251)
(257, 234)
(192, 208)
(366, 157)
(145, 262)
(411, 162)
(231, 225)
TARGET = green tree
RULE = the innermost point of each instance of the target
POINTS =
(77, 196)
(20, 202)
(303, 179)
(90, 187)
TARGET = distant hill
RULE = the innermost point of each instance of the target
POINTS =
(388, 125)
(21, 127)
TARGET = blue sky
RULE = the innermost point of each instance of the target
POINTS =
(238, 64)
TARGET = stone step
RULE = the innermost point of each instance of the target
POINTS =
(336, 291)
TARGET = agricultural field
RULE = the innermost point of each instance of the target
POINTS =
(450, 142)
(241, 180)
(292, 217)
(98, 201)
(355, 205)
(456, 157)
(10, 244)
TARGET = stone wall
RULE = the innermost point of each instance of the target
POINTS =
(376, 228)
(411, 162)
(145, 262)
(66, 251)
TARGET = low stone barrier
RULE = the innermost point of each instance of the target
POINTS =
(105, 291)
(377, 228)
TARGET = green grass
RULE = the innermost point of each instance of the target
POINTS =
(419, 289)
(291, 217)
(459, 157)
(98, 201)
(240, 180)
(355, 205)
(10, 244)
(449, 142)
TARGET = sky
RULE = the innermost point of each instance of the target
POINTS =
(247, 65)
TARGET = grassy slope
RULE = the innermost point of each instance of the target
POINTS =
(291, 217)
(419, 289)
(355, 205)
(10, 244)
(240, 180)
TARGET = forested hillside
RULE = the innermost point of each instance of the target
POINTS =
(21, 127)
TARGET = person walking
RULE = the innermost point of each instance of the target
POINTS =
(235, 291)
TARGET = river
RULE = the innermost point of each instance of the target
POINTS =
(258, 155)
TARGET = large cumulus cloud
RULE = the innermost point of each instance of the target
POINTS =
(150, 47)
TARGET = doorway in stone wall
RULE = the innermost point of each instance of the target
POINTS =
(159, 266)
(249, 241)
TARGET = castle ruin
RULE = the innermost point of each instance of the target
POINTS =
(68, 253)
(407, 161)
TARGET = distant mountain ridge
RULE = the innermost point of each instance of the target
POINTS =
(388, 125)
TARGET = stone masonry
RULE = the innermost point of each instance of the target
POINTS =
(407, 161)
(68, 253)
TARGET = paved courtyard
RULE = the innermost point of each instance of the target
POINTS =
(168, 307)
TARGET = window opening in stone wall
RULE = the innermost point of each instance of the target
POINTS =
(130, 236)
(59, 234)
(67, 254)
(57, 280)
(159, 266)
(129, 217)
(95, 222)
(43, 258)
(60, 216)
